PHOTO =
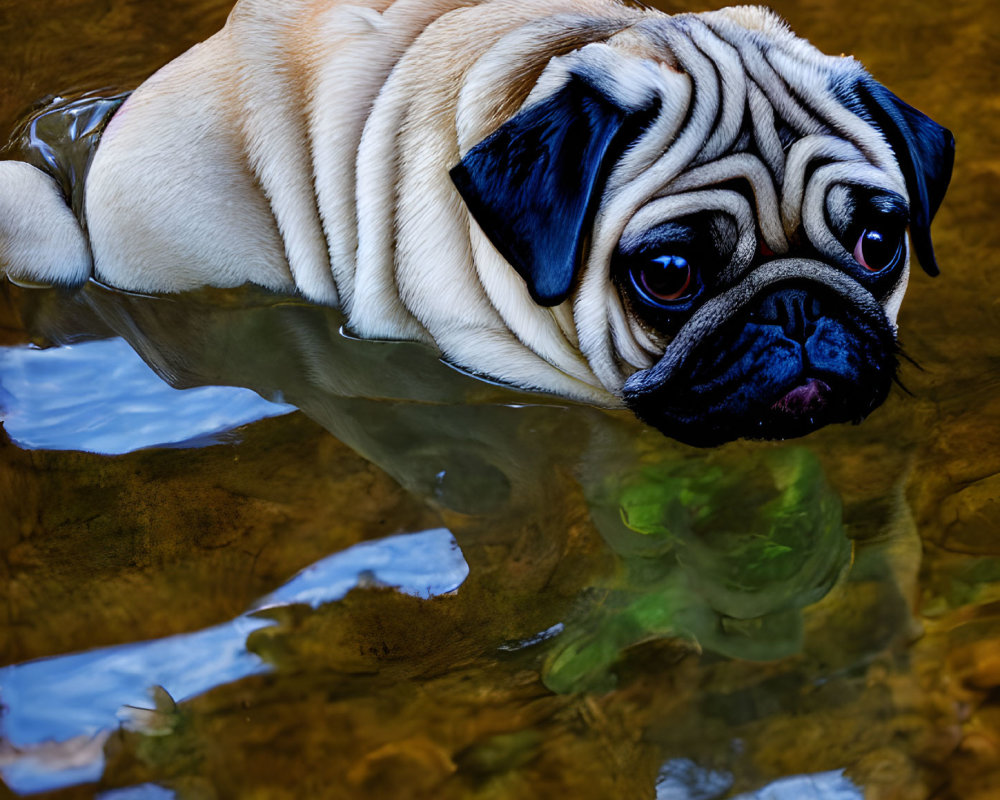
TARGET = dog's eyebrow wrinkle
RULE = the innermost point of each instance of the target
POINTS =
(747, 166)
(728, 201)
(814, 205)
(672, 207)
(800, 156)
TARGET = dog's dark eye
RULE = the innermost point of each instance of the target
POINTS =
(663, 280)
(878, 250)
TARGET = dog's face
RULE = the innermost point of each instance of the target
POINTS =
(725, 211)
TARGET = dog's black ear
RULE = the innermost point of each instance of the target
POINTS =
(533, 185)
(925, 150)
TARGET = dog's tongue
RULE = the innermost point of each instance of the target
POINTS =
(805, 399)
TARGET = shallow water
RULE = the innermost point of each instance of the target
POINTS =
(540, 599)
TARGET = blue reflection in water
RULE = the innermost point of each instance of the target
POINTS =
(100, 396)
(832, 785)
(75, 699)
(79, 694)
(683, 779)
(146, 791)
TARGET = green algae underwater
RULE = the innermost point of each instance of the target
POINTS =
(637, 619)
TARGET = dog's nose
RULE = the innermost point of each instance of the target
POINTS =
(795, 311)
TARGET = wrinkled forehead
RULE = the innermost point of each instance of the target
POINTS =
(745, 102)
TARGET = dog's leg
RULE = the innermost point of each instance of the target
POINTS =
(41, 241)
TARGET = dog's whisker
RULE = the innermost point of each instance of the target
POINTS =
(901, 353)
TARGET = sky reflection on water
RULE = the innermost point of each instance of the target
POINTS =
(683, 779)
(99, 396)
(80, 696)
(144, 791)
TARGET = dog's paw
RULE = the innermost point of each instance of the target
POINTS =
(41, 242)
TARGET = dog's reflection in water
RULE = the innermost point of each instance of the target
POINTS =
(718, 550)
(719, 524)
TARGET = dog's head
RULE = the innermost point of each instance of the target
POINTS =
(726, 219)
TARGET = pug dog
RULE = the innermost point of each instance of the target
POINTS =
(700, 216)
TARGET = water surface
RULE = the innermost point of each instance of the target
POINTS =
(639, 619)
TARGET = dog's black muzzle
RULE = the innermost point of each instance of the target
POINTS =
(795, 358)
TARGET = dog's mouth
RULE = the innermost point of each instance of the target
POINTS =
(796, 358)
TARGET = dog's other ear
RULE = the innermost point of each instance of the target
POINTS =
(925, 150)
(534, 184)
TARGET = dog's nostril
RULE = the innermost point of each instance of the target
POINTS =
(795, 311)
